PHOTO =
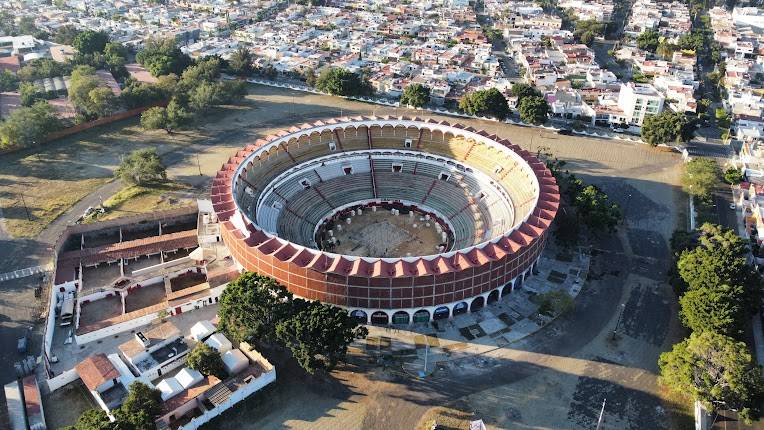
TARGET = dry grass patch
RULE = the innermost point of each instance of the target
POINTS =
(446, 419)
(137, 199)
(55, 176)
(46, 200)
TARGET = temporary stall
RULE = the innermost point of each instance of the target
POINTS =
(219, 342)
(235, 361)
(188, 377)
(202, 330)
(169, 387)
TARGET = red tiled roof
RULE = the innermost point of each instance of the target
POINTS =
(524, 235)
(95, 370)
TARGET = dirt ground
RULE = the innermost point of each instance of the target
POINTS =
(144, 297)
(381, 234)
(63, 407)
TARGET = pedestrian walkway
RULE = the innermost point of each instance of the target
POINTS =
(23, 273)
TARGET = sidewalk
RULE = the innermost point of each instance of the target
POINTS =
(496, 326)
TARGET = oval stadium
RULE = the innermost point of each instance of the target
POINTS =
(397, 220)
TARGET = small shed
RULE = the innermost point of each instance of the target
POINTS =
(235, 361)
(219, 342)
(169, 387)
(188, 377)
(202, 330)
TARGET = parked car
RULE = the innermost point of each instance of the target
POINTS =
(565, 131)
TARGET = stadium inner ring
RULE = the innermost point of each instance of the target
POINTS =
(496, 200)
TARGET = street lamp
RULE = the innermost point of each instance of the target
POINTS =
(618, 321)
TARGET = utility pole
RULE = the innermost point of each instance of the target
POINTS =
(29, 217)
(426, 351)
(198, 164)
(602, 414)
(618, 321)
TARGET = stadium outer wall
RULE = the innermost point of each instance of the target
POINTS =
(383, 290)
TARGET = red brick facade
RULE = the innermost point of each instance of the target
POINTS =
(389, 284)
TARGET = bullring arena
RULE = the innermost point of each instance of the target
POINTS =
(397, 220)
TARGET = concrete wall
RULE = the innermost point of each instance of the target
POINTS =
(59, 381)
(237, 396)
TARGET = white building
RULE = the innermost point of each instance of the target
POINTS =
(638, 101)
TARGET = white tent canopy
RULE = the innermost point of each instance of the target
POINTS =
(169, 387)
(235, 361)
(188, 377)
(219, 342)
(201, 330)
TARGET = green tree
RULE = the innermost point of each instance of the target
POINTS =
(595, 210)
(648, 40)
(416, 95)
(555, 303)
(141, 166)
(206, 70)
(28, 126)
(155, 118)
(720, 257)
(720, 310)
(587, 30)
(29, 94)
(8, 81)
(162, 57)
(203, 97)
(241, 62)
(666, 50)
(42, 68)
(251, 306)
(310, 77)
(715, 370)
(733, 176)
(93, 419)
(490, 102)
(341, 82)
(90, 42)
(318, 334)
(139, 409)
(137, 94)
(65, 34)
(89, 96)
(666, 127)
(206, 361)
(522, 91)
(700, 177)
(534, 110)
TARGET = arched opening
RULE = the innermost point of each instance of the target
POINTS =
(401, 317)
(360, 316)
(477, 304)
(440, 313)
(379, 318)
(506, 290)
(421, 315)
(493, 296)
(460, 308)
(519, 282)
